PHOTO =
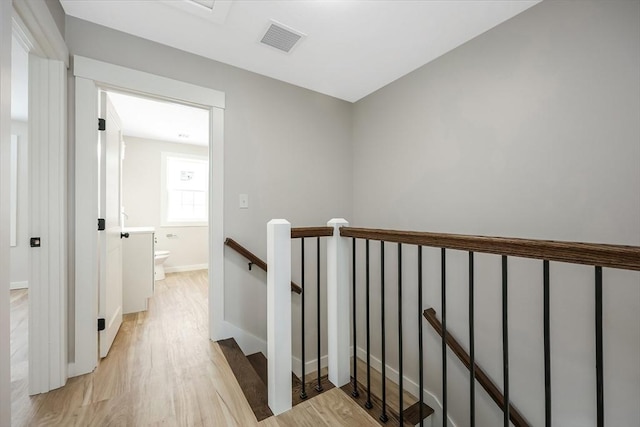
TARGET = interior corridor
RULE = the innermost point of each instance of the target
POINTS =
(164, 370)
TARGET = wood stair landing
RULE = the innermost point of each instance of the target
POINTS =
(251, 372)
(411, 414)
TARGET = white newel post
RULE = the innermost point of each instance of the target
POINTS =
(279, 315)
(338, 304)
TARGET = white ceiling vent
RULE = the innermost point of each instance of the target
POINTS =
(206, 3)
(281, 37)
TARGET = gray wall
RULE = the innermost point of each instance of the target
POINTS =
(19, 271)
(141, 194)
(288, 148)
(530, 130)
(57, 12)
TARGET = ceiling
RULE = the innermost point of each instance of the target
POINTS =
(350, 48)
(159, 120)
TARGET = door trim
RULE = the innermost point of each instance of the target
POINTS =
(40, 32)
(5, 138)
(34, 27)
(47, 220)
(90, 75)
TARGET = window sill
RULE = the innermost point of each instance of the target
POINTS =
(184, 224)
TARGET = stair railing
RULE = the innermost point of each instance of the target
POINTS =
(255, 260)
(301, 233)
(279, 236)
(341, 259)
(597, 255)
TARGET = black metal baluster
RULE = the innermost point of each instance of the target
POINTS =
(303, 393)
(383, 416)
(420, 343)
(400, 375)
(505, 342)
(368, 404)
(355, 392)
(319, 386)
(443, 303)
(472, 369)
(599, 351)
(547, 348)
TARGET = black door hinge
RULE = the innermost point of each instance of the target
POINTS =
(101, 224)
(102, 124)
(34, 242)
(101, 325)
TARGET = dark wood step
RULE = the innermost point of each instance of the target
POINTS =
(411, 414)
(254, 389)
(259, 363)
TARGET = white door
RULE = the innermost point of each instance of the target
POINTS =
(110, 295)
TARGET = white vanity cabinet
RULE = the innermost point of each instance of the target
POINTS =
(137, 268)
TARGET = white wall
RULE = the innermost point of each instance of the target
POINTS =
(5, 141)
(19, 270)
(141, 193)
(288, 148)
(530, 130)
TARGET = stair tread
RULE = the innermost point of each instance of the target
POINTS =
(259, 363)
(411, 414)
(253, 387)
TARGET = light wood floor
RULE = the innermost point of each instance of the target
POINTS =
(19, 341)
(163, 370)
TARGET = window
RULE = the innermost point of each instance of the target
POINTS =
(185, 185)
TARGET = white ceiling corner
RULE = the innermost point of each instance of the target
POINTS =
(161, 120)
(351, 49)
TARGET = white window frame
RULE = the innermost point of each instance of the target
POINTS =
(164, 197)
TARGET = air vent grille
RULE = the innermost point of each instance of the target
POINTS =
(281, 37)
(205, 3)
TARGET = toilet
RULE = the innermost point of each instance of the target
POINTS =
(159, 258)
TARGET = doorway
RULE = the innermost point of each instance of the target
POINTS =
(162, 193)
(90, 77)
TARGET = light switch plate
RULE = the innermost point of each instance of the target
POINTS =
(244, 201)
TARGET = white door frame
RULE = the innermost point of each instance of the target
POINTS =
(36, 30)
(5, 138)
(90, 75)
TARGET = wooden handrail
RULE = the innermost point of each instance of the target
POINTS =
(602, 255)
(255, 260)
(494, 392)
(298, 232)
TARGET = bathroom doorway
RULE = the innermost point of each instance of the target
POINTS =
(90, 77)
(164, 191)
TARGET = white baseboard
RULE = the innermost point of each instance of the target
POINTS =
(19, 285)
(71, 370)
(183, 268)
(310, 366)
(248, 342)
